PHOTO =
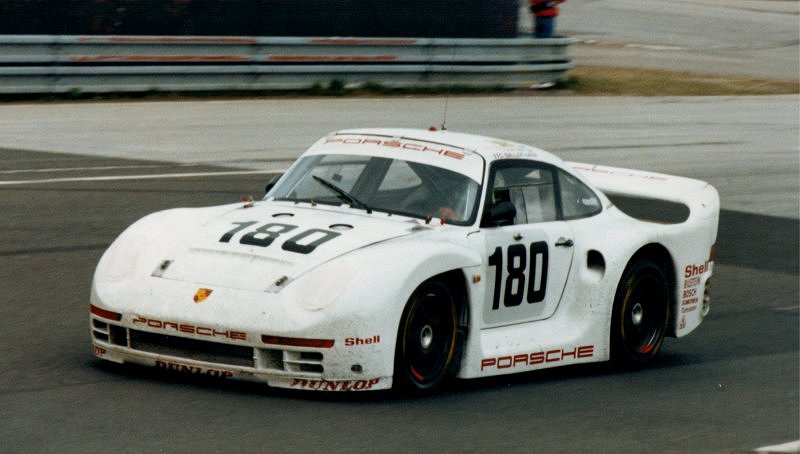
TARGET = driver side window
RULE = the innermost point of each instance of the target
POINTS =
(529, 187)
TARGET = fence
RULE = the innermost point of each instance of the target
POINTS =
(101, 64)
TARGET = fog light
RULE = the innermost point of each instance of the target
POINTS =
(357, 368)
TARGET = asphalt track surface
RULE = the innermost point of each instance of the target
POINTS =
(755, 38)
(732, 386)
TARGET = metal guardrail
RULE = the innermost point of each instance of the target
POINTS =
(101, 64)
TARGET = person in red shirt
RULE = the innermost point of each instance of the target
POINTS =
(544, 13)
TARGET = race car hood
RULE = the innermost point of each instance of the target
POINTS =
(267, 246)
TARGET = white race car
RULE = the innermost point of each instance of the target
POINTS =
(397, 258)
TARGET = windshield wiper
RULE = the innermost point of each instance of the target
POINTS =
(343, 195)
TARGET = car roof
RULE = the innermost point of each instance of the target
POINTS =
(490, 148)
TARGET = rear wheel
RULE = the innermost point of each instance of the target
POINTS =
(426, 339)
(641, 314)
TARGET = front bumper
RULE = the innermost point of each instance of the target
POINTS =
(227, 354)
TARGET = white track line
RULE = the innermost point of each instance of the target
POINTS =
(137, 177)
(77, 169)
(792, 446)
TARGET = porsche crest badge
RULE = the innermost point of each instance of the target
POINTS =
(202, 294)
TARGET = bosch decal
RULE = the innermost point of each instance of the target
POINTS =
(690, 297)
(691, 282)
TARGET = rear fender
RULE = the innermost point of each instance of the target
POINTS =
(689, 241)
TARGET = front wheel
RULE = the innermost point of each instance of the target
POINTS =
(426, 339)
(641, 314)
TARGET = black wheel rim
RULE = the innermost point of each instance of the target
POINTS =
(428, 337)
(644, 316)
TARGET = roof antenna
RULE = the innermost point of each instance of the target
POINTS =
(444, 114)
(447, 95)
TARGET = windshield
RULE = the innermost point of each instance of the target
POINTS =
(381, 184)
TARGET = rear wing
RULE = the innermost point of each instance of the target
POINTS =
(701, 199)
(689, 239)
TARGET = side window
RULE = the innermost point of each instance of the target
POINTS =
(530, 187)
(577, 200)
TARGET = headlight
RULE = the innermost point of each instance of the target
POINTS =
(121, 258)
(325, 285)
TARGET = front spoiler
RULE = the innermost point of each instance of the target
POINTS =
(315, 382)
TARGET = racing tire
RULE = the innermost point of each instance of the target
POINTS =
(640, 315)
(426, 339)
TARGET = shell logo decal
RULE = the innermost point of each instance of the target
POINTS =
(202, 294)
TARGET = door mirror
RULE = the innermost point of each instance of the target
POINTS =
(271, 183)
(500, 214)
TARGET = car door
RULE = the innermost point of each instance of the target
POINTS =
(528, 256)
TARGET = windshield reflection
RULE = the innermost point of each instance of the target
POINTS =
(382, 184)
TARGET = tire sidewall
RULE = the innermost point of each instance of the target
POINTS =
(639, 274)
(403, 378)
